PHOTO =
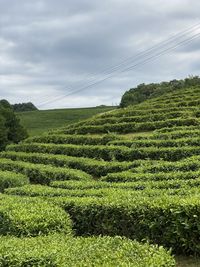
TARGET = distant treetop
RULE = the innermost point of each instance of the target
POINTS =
(24, 107)
(146, 91)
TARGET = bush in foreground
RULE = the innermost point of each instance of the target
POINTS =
(59, 250)
(31, 217)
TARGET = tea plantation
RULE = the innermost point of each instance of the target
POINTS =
(119, 189)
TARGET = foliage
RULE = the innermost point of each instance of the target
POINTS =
(24, 107)
(59, 250)
(40, 121)
(11, 130)
(146, 91)
(11, 179)
(29, 217)
(43, 174)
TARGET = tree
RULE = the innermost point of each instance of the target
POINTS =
(11, 131)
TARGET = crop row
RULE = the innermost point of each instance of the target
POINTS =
(72, 139)
(12, 179)
(158, 143)
(96, 168)
(128, 176)
(172, 222)
(110, 153)
(145, 118)
(135, 111)
(42, 174)
(146, 188)
(31, 217)
(60, 250)
(188, 164)
(132, 127)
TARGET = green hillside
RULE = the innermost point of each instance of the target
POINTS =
(147, 91)
(131, 172)
(40, 121)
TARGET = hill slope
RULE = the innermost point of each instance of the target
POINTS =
(40, 121)
(133, 172)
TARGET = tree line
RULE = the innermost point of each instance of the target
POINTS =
(24, 107)
(11, 131)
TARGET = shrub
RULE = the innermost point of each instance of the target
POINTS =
(31, 217)
(59, 250)
(11, 179)
(43, 174)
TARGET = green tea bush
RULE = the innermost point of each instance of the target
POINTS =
(31, 217)
(72, 139)
(168, 221)
(62, 251)
(109, 153)
(43, 174)
(12, 179)
(97, 168)
(128, 176)
(125, 127)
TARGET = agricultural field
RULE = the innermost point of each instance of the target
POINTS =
(119, 189)
(40, 121)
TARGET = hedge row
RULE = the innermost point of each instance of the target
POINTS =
(168, 187)
(189, 164)
(128, 176)
(110, 153)
(148, 185)
(46, 191)
(43, 174)
(31, 217)
(158, 143)
(97, 168)
(178, 128)
(144, 118)
(132, 127)
(137, 111)
(72, 139)
(12, 179)
(177, 134)
(172, 222)
(62, 251)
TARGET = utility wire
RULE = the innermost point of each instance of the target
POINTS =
(173, 38)
(116, 68)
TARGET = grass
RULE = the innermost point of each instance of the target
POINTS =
(188, 262)
(38, 122)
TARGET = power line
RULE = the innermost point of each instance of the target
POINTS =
(135, 65)
(173, 38)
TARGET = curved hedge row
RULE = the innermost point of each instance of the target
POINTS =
(128, 176)
(43, 174)
(158, 143)
(110, 153)
(31, 217)
(12, 179)
(72, 139)
(62, 251)
(144, 118)
(97, 168)
(172, 222)
(132, 127)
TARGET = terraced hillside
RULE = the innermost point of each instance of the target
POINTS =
(132, 172)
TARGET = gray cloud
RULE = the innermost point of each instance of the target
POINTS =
(50, 48)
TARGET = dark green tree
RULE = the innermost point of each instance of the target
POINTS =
(11, 129)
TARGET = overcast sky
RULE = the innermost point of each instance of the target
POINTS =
(50, 48)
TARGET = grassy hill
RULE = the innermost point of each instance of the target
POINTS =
(40, 121)
(131, 172)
